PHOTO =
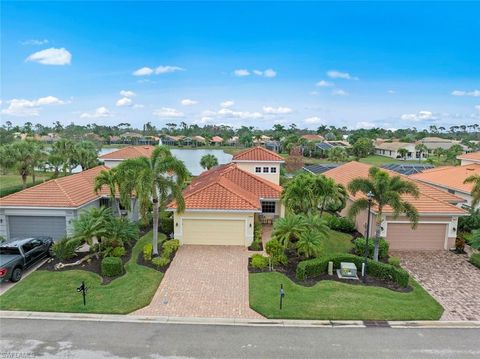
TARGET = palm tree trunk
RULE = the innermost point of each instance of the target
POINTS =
(33, 176)
(24, 180)
(323, 206)
(376, 240)
(155, 226)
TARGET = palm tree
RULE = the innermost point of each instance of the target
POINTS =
(128, 185)
(475, 192)
(298, 194)
(310, 243)
(337, 154)
(421, 149)
(91, 225)
(475, 240)
(403, 152)
(122, 231)
(289, 229)
(38, 158)
(157, 178)
(208, 161)
(385, 191)
(329, 193)
(110, 179)
(22, 154)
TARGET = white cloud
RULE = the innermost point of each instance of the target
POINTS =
(258, 72)
(167, 69)
(29, 108)
(188, 102)
(276, 110)
(323, 83)
(144, 71)
(474, 93)
(340, 75)
(314, 120)
(138, 106)
(391, 92)
(244, 115)
(167, 112)
(100, 112)
(339, 92)
(365, 124)
(126, 93)
(269, 73)
(124, 101)
(420, 116)
(241, 72)
(51, 56)
(228, 103)
(34, 42)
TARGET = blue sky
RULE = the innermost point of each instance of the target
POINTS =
(392, 65)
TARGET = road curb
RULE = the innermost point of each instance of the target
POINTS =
(286, 323)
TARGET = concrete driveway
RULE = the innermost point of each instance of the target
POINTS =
(4, 286)
(449, 278)
(204, 281)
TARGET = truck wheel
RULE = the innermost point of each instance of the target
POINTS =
(16, 274)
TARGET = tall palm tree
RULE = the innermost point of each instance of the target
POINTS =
(329, 193)
(208, 161)
(385, 191)
(475, 192)
(128, 185)
(421, 149)
(298, 194)
(159, 177)
(22, 154)
(110, 179)
(403, 152)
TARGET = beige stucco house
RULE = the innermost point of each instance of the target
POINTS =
(469, 158)
(221, 205)
(438, 214)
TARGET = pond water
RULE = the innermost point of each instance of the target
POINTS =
(191, 157)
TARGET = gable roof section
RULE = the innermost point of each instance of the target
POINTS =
(430, 201)
(129, 152)
(70, 192)
(259, 154)
(451, 177)
(472, 156)
(227, 187)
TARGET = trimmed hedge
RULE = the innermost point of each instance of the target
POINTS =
(360, 247)
(475, 259)
(314, 267)
(111, 266)
(160, 261)
(340, 224)
(259, 261)
(169, 247)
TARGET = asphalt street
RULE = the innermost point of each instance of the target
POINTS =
(32, 338)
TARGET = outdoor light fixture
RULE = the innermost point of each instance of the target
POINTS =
(176, 224)
(370, 198)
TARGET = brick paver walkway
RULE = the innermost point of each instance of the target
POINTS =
(204, 281)
(449, 278)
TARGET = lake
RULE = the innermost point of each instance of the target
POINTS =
(191, 157)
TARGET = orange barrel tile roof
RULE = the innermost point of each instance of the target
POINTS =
(129, 152)
(258, 153)
(474, 156)
(451, 177)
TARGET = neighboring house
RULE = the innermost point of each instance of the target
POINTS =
(274, 145)
(216, 141)
(313, 138)
(233, 141)
(391, 149)
(408, 168)
(450, 179)
(432, 143)
(198, 140)
(469, 158)
(261, 162)
(112, 159)
(49, 208)
(438, 214)
(320, 168)
(172, 140)
(221, 204)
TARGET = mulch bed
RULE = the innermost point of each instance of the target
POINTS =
(290, 271)
(89, 266)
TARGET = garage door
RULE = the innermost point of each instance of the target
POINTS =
(401, 236)
(29, 226)
(214, 232)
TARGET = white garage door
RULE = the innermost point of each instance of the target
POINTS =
(214, 232)
(31, 226)
(401, 236)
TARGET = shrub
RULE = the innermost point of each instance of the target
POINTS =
(460, 245)
(360, 247)
(255, 246)
(314, 267)
(475, 259)
(259, 261)
(166, 223)
(147, 252)
(118, 252)
(160, 261)
(257, 231)
(170, 247)
(341, 224)
(394, 261)
(277, 252)
(469, 223)
(65, 248)
(111, 266)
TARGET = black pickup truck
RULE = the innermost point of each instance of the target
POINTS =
(18, 255)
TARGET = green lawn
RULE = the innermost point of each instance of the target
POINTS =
(337, 242)
(334, 300)
(11, 183)
(376, 160)
(56, 291)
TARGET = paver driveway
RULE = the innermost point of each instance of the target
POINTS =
(449, 278)
(204, 281)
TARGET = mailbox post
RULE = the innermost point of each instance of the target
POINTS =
(282, 294)
(83, 289)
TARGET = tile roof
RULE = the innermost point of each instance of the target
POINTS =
(393, 146)
(451, 177)
(129, 152)
(313, 137)
(216, 139)
(71, 192)
(431, 200)
(258, 153)
(472, 156)
(228, 187)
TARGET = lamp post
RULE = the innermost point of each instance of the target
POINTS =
(369, 197)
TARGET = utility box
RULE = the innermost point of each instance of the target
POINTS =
(348, 269)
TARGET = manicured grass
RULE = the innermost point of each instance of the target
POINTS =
(337, 242)
(56, 291)
(11, 183)
(376, 160)
(335, 300)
